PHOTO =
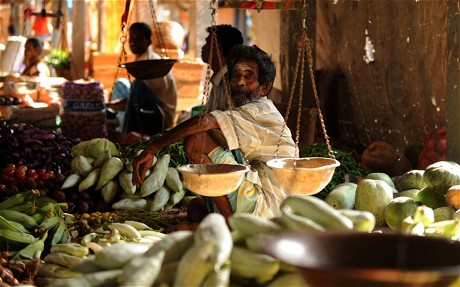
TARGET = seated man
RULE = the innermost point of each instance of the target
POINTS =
(34, 66)
(253, 127)
(146, 100)
(32, 69)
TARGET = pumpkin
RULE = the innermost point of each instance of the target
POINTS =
(442, 175)
(381, 156)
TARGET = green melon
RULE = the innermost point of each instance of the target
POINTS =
(381, 176)
(443, 213)
(430, 197)
(398, 209)
(412, 193)
(342, 196)
(373, 195)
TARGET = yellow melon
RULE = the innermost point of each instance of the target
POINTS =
(453, 196)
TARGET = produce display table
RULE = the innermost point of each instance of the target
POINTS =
(76, 200)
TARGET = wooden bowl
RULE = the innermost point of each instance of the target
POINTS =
(25, 87)
(149, 69)
(303, 175)
(213, 179)
(355, 259)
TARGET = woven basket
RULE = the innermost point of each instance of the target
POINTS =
(172, 33)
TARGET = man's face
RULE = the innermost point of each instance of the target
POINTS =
(244, 83)
(206, 50)
(138, 43)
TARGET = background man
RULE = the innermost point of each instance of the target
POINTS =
(227, 38)
(155, 96)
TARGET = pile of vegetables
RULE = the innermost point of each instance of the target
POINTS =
(28, 223)
(26, 144)
(212, 255)
(17, 272)
(348, 165)
(100, 169)
(7, 100)
(19, 179)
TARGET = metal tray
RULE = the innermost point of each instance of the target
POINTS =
(149, 69)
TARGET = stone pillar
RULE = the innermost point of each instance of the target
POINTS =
(200, 19)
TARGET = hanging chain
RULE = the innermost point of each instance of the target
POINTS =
(123, 57)
(318, 105)
(304, 49)
(215, 46)
(207, 82)
(158, 33)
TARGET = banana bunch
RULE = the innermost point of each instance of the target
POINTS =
(112, 177)
(27, 221)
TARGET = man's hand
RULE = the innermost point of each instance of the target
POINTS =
(141, 164)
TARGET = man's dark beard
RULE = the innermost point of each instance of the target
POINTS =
(241, 96)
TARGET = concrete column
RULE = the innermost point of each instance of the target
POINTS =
(200, 19)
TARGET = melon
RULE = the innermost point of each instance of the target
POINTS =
(430, 197)
(373, 195)
(442, 175)
(342, 196)
(443, 213)
(412, 193)
(453, 196)
(412, 179)
(398, 209)
(381, 176)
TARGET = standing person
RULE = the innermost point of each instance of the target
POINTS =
(34, 66)
(154, 96)
(254, 127)
(227, 38)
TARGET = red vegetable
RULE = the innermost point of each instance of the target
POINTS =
(434, 148)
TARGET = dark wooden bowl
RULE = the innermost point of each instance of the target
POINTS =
(149, 69)
(351, 259)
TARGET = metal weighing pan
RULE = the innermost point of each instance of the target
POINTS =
(359, 259)
(149, 69)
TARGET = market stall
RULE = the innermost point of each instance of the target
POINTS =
(70, 214)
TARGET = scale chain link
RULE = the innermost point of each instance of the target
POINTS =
(304, 47)
(156, 27)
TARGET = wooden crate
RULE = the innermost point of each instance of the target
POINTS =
(104, 68)
(189, 76)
